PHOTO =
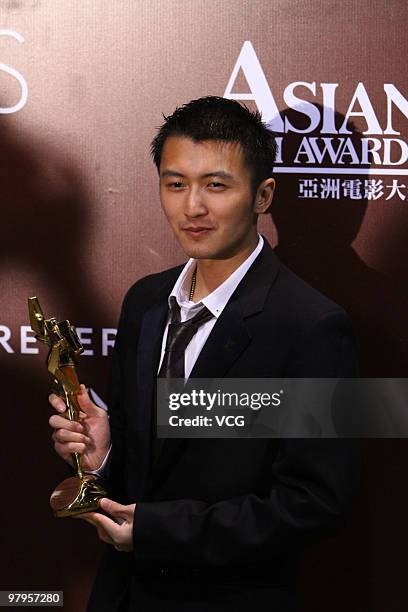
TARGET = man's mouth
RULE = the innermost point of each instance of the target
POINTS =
(197, 231)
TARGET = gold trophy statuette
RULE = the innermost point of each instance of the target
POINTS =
(79, 493)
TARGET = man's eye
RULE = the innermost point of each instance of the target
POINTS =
(216, 185)
(176, 185)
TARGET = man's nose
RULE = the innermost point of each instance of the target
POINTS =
(194, 205)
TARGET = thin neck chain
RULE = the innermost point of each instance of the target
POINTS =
(193, 284)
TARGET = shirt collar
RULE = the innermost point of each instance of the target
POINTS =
(217, 299)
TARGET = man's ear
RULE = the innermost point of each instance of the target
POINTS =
(264, 196)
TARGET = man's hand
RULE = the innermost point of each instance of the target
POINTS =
(90, 437)
(117, 530)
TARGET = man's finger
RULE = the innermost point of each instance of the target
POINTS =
(84, 401)
(63, 452)
(71, 447)
(92, 519)
(113, 508)
(60, 422)
(57, 403)
(63, 435)
(104, 536)
(86, 516)
(100, 521)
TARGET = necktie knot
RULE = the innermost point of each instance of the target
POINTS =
(179, 335)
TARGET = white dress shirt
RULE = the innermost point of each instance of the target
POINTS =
(214, 301)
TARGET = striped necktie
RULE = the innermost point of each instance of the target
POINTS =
(179, 335)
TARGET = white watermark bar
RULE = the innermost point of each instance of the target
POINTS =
(282, 408)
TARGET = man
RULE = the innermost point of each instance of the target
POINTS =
(212, 524)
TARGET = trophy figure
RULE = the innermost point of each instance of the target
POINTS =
(81, 492)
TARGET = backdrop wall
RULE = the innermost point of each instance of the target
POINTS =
(83, 86)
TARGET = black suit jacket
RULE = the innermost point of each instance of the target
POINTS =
(230, 510)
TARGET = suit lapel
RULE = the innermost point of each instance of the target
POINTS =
(228, 338)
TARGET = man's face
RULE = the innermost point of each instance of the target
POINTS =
(205, 192)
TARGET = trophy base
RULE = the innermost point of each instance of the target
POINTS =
(77, 495)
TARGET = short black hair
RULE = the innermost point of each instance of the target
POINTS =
(215, 118)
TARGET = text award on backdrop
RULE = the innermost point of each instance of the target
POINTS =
(79, 493)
